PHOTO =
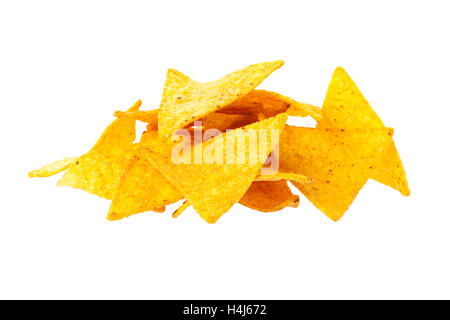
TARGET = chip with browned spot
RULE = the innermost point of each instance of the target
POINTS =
(181, 209)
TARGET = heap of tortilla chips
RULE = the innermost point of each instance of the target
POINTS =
(200, 146)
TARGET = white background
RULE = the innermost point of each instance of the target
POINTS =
(66, 66)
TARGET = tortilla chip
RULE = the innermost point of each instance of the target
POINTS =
(52, 168)
(181, 209)
(339, 161)
(345, 107)
(141, 187)
(269, 196)
(99, 170)
(213, 188)
(268, 104)
(185, 100)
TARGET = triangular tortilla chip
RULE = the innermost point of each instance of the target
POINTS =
(269, 104)
(52, 168)
(99, 170)
(269, 196)
(339, 162)
(141, 187)
(213, 188)
(185, 100)
(345, 107)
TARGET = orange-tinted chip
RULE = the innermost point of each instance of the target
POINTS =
(268, 104)
(269, 196)
(223, 122)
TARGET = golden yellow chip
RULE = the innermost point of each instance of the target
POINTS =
(212, 188)
(141, 187)
(345, 107)
(269, 104)
(339, 162)
(52, 168)
(185, 100)
(99, 170)
(269, 196)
